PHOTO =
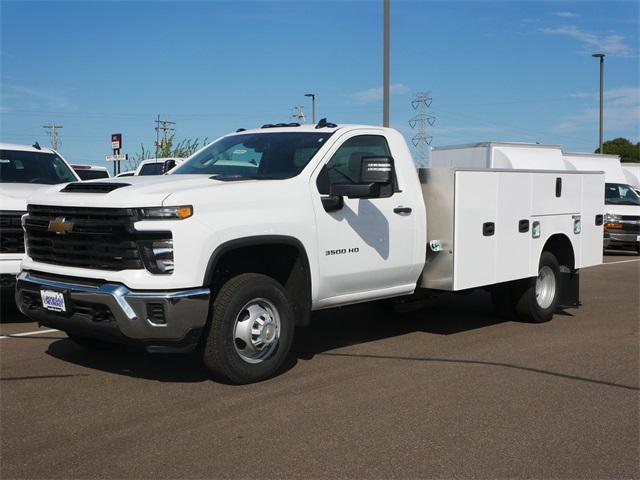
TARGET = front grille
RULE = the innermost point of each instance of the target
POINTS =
(96, 238)
(11, 233)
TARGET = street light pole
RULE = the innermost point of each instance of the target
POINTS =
(385, 66)
(313, 106)
(601, 57)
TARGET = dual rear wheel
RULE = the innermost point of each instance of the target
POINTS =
(532, 299)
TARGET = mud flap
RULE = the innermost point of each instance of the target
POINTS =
(570, 289)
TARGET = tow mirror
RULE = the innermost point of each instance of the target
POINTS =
(377, 170)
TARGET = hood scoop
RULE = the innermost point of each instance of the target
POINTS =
(93, 187)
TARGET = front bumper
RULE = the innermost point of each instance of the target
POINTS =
(157, 320)
(623, 239)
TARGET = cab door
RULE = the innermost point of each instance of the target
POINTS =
(367, 247)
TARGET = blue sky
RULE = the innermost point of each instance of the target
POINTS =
(518, 71)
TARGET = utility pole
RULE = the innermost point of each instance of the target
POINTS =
(421, 140)
(385, 65)
(53, 135)
(163, 126)
(601, 57)
(313, 106)
(299, 114)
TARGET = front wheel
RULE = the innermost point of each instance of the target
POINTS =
(538, 298)
(251, 329)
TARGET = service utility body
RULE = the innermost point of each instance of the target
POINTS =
(239, 244)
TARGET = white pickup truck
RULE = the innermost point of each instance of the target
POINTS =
(23, 170)
(244, 240)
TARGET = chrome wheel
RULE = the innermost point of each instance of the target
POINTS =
(257, 330)
(545, 287)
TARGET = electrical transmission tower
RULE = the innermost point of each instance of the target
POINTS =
(419, 122)
(163, 126)
(298, 114)
(53, 135)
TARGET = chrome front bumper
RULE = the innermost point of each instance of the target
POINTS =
(157, 320)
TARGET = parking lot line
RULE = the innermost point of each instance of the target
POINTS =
(621, 261)
(26, 334)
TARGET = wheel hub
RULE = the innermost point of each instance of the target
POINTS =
(257, 330)
(545, 287)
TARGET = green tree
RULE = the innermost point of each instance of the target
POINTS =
(628, 151)
(182, 149)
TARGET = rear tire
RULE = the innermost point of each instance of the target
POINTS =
(537, 298)
(92, 343)
(250, 331)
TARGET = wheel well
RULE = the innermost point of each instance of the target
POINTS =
(284, 260)
(562, 249)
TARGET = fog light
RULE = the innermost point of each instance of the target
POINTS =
(158, 255)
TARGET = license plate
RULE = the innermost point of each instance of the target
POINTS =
(53, 300)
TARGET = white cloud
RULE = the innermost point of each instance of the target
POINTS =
(621, 112)
(375, 94)
(565, 14)
(37, 99)
(612, 44)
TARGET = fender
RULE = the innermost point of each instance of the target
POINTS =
(299, 283)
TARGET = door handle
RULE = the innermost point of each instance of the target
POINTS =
(400, 210)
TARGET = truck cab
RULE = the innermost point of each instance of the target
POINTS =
(23, 170)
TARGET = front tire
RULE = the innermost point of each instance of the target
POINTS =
(251, 329)
(537, 299)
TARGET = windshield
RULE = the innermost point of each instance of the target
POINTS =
(91, 174)
(256, 155)
(620, 194)
(152, 169)
(33, 167)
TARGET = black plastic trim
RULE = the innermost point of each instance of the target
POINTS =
(599, 219)
(488, 229)
(303, 309)
(523, 226)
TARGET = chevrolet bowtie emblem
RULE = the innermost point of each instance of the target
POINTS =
(60, 226)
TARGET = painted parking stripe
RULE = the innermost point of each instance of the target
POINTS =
(621, 261)
(26, 334)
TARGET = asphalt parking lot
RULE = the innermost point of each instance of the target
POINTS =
(449, 391)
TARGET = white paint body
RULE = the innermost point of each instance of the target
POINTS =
(13, 198)
(391, 248)
(632, 174)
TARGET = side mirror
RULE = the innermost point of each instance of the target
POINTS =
(377, 170)
(169, 164)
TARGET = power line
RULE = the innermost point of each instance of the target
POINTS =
(53, 135)
(298, 114)
(419, 122)
(165, 127)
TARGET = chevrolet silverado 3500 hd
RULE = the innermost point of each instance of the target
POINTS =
(241, 242)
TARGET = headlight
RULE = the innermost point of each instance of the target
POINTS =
(612, 221)
(166, 213)
(611, 218)
(157, 255)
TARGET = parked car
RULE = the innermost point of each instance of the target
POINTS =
(90, 172)
(632, 175)
(157, 166)
(128, 173)
(621, 201)
(23, 170)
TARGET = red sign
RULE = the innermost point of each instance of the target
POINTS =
(116, 141)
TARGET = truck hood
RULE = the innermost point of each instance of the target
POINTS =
(13, 196)
(145, 191)
(622, 209)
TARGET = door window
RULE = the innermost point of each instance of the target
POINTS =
(344, 166)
